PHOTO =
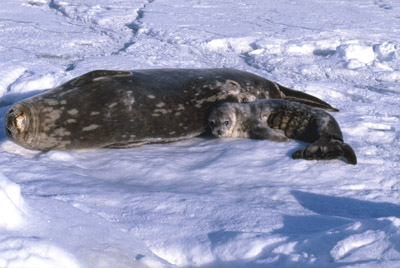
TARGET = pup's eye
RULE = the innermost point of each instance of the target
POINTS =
(226, 123)
(211, 123)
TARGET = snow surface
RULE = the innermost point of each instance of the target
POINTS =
(206, 202)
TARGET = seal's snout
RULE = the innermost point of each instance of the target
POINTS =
(219, 133)
(15, 122)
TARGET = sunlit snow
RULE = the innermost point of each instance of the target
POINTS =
(206, 202)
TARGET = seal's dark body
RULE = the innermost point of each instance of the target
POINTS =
(119, 109)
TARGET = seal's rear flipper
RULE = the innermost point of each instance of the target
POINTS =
(349, 154)
(327, 150)
(304, 98)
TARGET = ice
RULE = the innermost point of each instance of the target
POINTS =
(237, 45)
(352, 243)
(361, 53)
(13, 208)
(206, 202)
(32, 252)
(387, 51)
(9, 76)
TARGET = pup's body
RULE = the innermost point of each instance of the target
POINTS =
(279, 120)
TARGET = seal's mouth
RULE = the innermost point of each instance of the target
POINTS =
(219, 133)
(15, 123)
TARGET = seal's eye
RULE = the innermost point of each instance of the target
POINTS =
(211, 123)
(226, 122)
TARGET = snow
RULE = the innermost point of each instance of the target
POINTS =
(12, 208)
(206, 202)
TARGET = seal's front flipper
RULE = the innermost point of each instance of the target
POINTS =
(263, 132)
(304, 98)
(327, 150)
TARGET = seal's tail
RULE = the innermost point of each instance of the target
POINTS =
(325, 150)
(304, 98)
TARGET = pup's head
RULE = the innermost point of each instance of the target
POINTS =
(222, 120)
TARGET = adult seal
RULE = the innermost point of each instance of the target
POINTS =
(119, 109)
(279, 120)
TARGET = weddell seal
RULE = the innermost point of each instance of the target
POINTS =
(279, 120)
(120, 109)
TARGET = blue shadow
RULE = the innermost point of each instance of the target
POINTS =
(345, 207)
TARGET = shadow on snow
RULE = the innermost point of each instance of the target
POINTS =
(308, 240)
(345, 207)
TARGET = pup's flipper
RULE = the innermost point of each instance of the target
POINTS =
(326, 150)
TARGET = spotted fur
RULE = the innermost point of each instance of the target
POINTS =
(279, 120)
(120, 109)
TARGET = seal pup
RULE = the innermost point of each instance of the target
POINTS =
(120, 109)
(279, 120)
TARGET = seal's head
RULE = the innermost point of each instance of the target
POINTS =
(222, 120)
(18, 124)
